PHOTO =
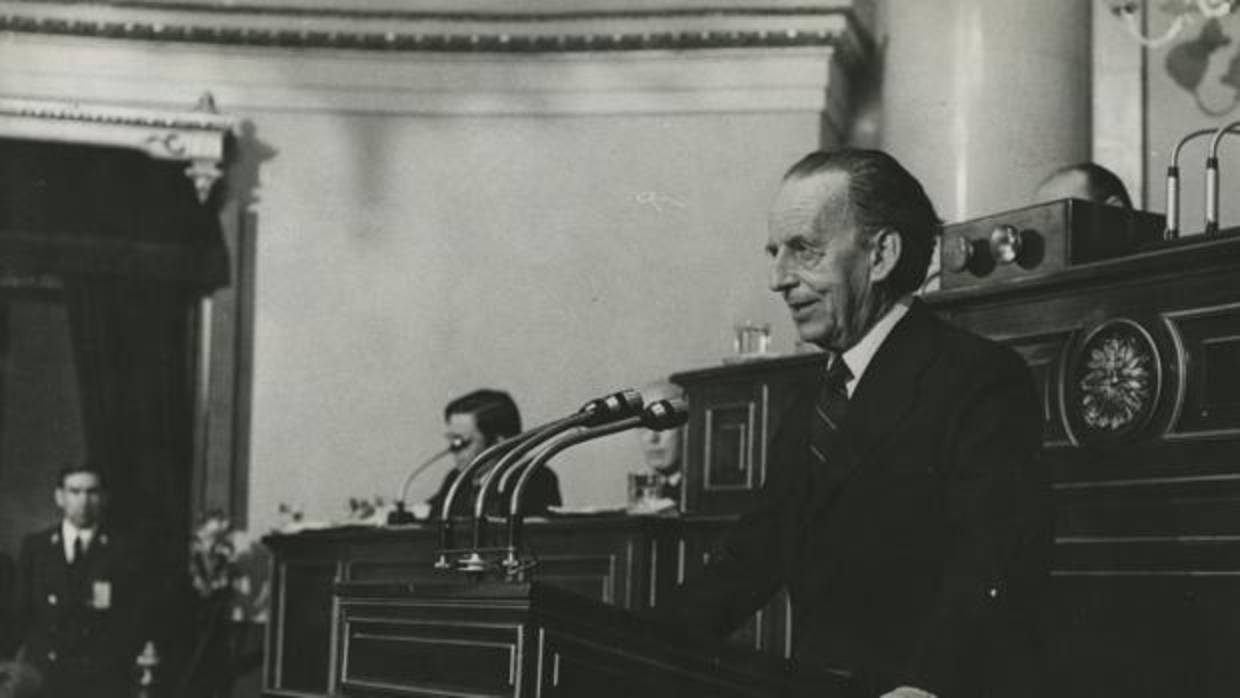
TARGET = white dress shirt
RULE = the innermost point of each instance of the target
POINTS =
(69, 533)
(859, 356)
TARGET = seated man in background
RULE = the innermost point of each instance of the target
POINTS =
(481, 419)
(1084, 180)
(82, 595)
(658, 488)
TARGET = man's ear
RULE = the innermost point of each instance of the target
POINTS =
(885, 249)
(60, 497)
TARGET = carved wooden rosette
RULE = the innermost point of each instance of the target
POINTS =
(1121, 382)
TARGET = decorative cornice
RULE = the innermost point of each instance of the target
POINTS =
(726, 27)
(197, 137)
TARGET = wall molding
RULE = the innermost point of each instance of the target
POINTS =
(686, 57)
(243, 80)
(838, 24)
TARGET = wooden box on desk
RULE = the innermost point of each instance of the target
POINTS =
(734, 412)
(1051, 236)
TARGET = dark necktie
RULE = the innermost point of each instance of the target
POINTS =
(829, 409)
(827, 447)
(77, 569)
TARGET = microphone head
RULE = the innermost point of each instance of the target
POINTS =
(617, 406)
(666, 414)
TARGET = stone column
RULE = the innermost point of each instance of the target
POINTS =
(981, 99)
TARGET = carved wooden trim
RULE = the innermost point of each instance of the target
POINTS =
(196, 136)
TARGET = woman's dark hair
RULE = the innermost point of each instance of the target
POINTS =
(494, 412)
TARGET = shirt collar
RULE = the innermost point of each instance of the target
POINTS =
(68, 532)
(859, 356)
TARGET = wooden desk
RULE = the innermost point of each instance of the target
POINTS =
(1146, 574)
(505, 639)
(621, 561)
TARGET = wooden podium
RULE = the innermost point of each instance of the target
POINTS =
(497, 639)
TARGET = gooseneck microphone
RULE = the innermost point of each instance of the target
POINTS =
(620, 405)
(604, 410)
(1172, 230)
(488, 454)
(1212, 174)
(658, 415)
(401, 515)
(597, 411)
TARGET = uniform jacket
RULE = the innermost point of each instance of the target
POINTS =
(81, 629)
(921, 558)
(8, 598)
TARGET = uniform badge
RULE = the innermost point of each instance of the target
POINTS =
(101, 595)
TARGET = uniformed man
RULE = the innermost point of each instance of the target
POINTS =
(80, 604)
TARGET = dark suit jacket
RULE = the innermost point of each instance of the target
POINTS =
(922, 560)
(8, 600)
(82, 632)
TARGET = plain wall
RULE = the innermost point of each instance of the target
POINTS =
(557, 258)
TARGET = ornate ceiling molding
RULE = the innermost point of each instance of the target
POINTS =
(197, 137)
(840, 24)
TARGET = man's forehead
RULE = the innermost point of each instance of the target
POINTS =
(800, 199)
(465, 421)
(81, 481)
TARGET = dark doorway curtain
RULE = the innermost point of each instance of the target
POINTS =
(132, 342)
(135, 252)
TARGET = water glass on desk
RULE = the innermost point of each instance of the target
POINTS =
(751, 340)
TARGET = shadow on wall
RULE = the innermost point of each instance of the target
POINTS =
(1188, 64)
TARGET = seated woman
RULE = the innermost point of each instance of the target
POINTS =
(476, 421)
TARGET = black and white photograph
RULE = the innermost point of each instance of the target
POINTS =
(619, 348)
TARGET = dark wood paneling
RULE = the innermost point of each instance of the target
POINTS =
(535, 640)
(1147, 562)
(1143, 635)
(450, 658)
(735, 411)
(303, 639)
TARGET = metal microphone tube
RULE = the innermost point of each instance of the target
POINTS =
(602, 410)
(595, 411)
(658, 415)
(491, 452)
(622, 404)
(1172, 230)
(1212, 217)
(401, 515)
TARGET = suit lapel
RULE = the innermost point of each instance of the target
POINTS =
(892, 385)
(888, 391)
(55, 567)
